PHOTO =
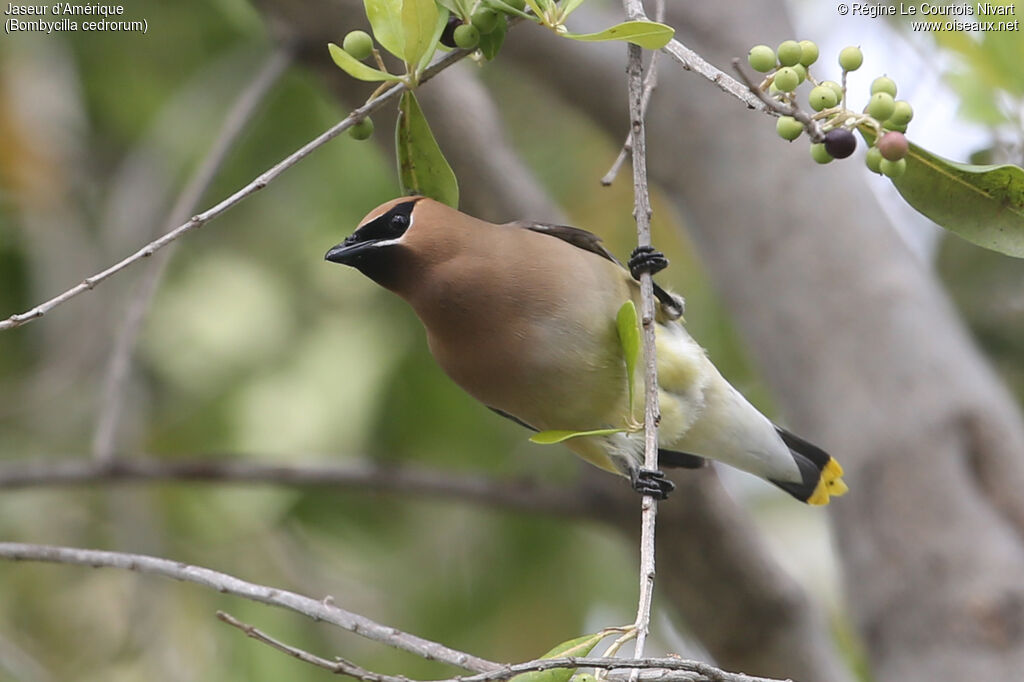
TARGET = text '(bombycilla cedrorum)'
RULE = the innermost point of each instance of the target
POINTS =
(523, 317)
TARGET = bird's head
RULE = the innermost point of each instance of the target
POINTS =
(379, 245)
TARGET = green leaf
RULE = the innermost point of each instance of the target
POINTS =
(648, 34)
(510, 10)
(452, 6)
(982, 204)
(422, 168)
(629, 337)
(535, 6)
(570, 6)
(356, 68)
(419, 19)
(491, 42)
(435, 39)
(581, 646)
(386, 19)
(553, 436)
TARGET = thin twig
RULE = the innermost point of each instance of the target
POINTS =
(339, 666)
(691, 61)
(650, 83)
(256, 185)
(772, 105)
(119, 366)
(692, 671)
(324, 610)
(642, 214)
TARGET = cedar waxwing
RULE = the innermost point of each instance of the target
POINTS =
(523, 317)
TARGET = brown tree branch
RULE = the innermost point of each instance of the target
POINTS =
(652, 413)
(522, 495)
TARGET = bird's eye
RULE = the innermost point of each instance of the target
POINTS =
(399, 221)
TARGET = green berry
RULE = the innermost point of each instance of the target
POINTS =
(881, 105)
(789, 52)
(873, 160)
(361, 130)
(786, 79)
(485, 20)
(836, 88)
(893, 169)
(801, 71)
(819, 154)
(902, 113)
(788, 128)
(850, 58)
(466, 36)
(358, 44)
(517, 4)
(822, 97)
(889, 125)
(761, 58)
(893, 146)
(808, 52)
(883, 84)
(773, 90)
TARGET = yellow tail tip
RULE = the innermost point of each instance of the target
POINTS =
(830, 484)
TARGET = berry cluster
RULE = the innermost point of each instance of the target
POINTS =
(465, 31)
(884, 117)
(469, 20)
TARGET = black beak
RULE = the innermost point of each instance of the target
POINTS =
(351, 251)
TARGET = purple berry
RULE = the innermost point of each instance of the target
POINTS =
(840, 143)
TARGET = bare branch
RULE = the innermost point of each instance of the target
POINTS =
(339, 666)
(256, 185)
(363, 476)
(119, 365)
(650, 83)
(691, 61)
(652, 413)
(324, 610)
(672, 669)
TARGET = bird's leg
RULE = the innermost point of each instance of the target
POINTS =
(646, 259)
(651, 482)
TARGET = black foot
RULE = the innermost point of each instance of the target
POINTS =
(653, 483)
(646, 259)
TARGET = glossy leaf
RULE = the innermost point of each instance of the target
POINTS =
(553, 436)
(434, 41)
(982, 204)
(422, 168)
(570, 6)
(581, 646)
(356, 68)
(629, 337)
(648, 34)
(386, 19)
(419, 21)
(510, 10)
(535, 5)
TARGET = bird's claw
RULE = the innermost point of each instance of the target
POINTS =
(646, 259)
(652, 482)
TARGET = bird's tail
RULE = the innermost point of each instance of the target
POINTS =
(821, 475)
